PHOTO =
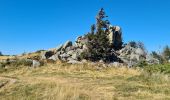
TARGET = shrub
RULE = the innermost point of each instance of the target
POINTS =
(166, 53)
(157, 56)
(142, 63)
(19, 62)
(161, 68)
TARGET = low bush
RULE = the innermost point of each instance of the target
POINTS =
(20, 62)
(161, 68)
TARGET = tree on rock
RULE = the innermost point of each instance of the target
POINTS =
(98, 45)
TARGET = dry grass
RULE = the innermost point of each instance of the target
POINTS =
(84, 82)
(6, 57)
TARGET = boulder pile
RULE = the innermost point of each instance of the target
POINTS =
(128, 54)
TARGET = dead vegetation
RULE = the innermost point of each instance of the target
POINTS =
(63, 81)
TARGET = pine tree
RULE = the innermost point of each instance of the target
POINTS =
(98, 46)
(1, 53)
(93, 28)
(166, 53)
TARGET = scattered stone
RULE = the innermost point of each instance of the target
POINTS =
(36, 64)
(74, 62)
(116, 64)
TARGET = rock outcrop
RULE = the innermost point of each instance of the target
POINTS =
(128, 54)
(131, 55)
(115, 36)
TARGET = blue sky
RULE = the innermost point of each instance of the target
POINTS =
(30, 25)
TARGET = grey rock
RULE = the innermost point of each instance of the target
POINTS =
(81, 41)
(55, 57)
(70, 52)
(115, 36)
(85, 47)
(116, 64)
(67, 44)
(59, 48)
(131, 63)
(36, 64)
(64, 55)
(46, 54)
(84, 61)
(151, 60)
(134, 57)
(75, 56)
(74, 62)
(140, 52)
(101, 61)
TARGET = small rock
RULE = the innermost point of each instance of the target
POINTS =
(74, 62)
(36, 63)
(116, 64)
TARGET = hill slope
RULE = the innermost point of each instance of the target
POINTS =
(82, 82)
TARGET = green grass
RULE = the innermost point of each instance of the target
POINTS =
(85, 82)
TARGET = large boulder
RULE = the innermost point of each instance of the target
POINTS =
(131, 55)
(67, 44)
(59, 48)
(55, 57)
(140, 52)
(115, 36)
(64, 56)
(46, 54)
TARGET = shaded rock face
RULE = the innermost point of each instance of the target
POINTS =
(46, 54)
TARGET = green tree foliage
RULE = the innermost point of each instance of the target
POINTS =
(93, 28)
(166, 53)
(137, 45)
(157, 56)
(98, 46)
(1, 53)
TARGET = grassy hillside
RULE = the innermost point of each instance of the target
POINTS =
(82, 82)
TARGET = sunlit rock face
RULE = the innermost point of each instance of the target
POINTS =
(115, 36)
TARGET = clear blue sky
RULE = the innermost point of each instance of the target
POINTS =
(30, 25)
